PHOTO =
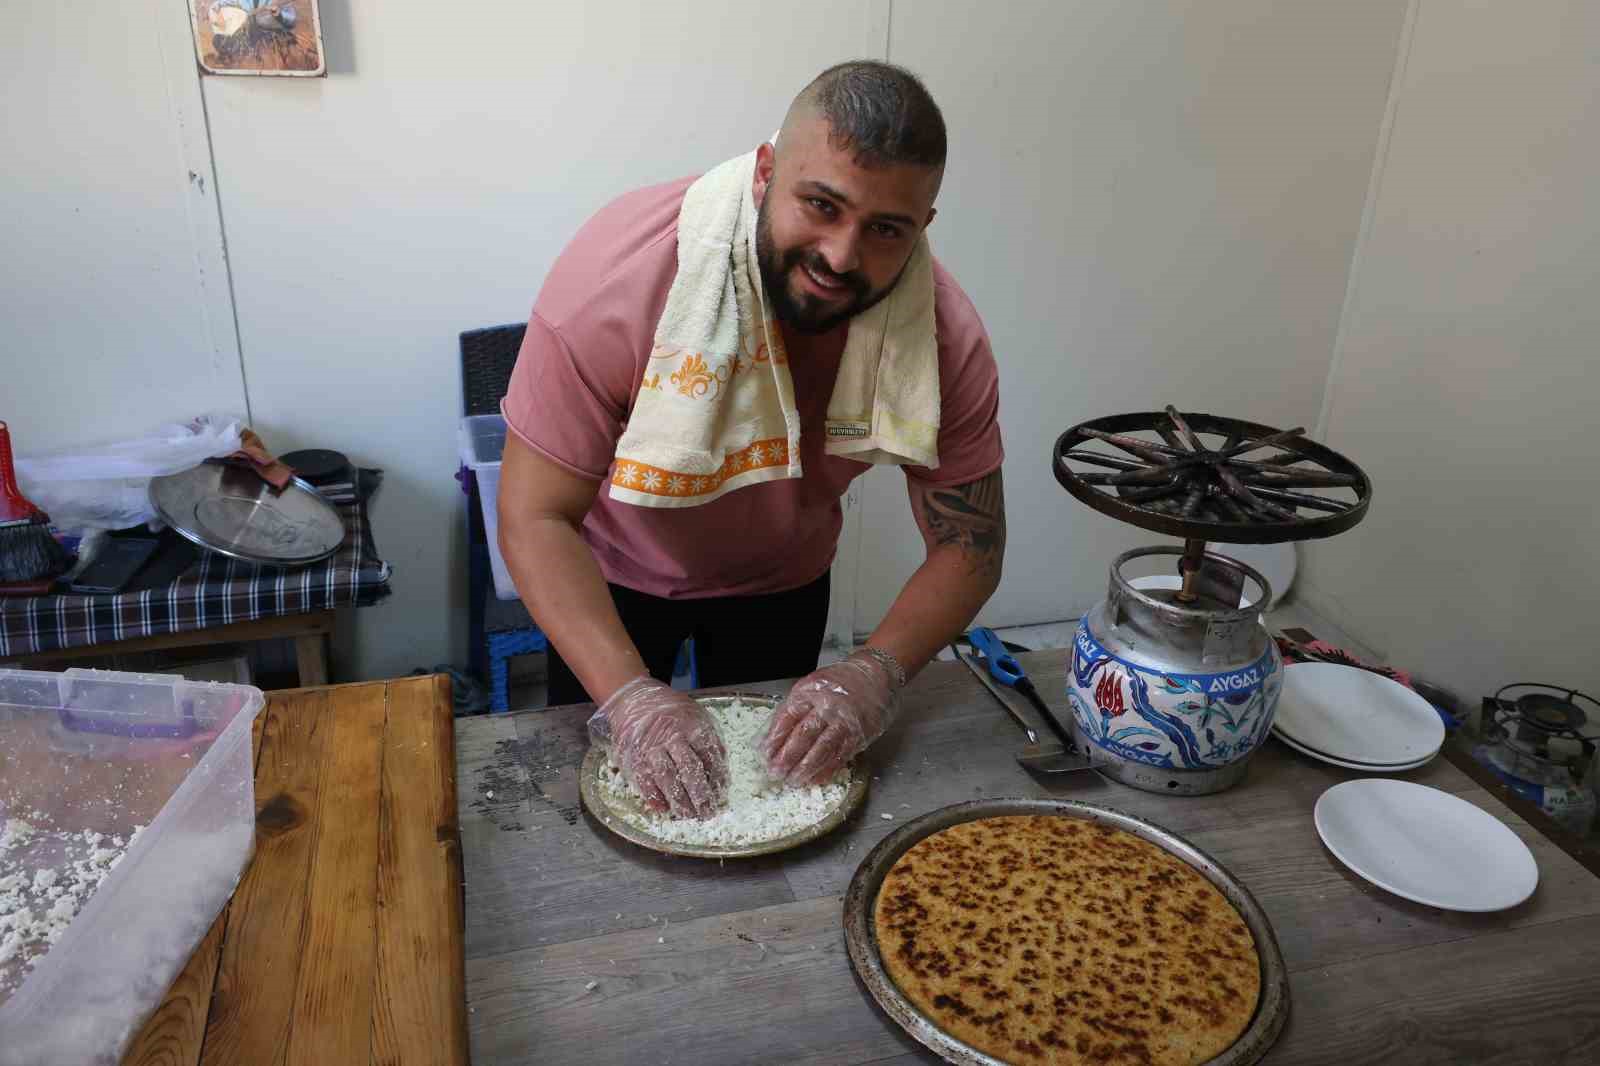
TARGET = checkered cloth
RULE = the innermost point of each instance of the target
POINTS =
(214, 591)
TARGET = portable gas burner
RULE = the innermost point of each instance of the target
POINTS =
(1536, 742)
(1176, 688)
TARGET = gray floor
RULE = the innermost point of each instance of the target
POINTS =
(528, 693)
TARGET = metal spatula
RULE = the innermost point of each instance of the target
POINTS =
(1049, 757)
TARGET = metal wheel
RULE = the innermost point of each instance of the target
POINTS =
(1193, 476)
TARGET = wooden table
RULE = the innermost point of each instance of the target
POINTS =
(308, 631)
(343, 941)
(696, 962)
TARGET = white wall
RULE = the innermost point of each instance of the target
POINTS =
(425, 187)
(1466, 380)
(114, 311)
(1149, 203)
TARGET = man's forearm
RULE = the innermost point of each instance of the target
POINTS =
(934, 608)
(563, 589)
(964, 527)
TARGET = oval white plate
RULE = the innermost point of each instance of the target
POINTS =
(1425, 845)
(1356, 715)
(1370, 768)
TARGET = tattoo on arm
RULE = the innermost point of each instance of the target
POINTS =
(972, 517)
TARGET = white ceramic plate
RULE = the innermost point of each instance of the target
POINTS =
(1371, 768)
(1425, 845)
(1356, 715)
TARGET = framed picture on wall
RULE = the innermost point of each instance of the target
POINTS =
(280, 38)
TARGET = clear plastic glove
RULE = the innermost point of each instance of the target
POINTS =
(829, 717)
(667, 746)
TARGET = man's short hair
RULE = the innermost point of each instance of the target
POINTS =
(881, 112)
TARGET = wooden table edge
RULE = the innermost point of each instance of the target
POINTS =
(163, 1038)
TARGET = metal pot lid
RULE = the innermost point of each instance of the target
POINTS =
(230, 510)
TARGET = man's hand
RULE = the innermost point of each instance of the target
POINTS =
(667, 746)
(830, 716)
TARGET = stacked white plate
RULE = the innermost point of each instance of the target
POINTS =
(1356, 719)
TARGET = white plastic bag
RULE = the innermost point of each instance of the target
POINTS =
(107, 486)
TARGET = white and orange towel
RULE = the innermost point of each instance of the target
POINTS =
(716, 411)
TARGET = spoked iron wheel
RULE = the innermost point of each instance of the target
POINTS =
(1207, 478)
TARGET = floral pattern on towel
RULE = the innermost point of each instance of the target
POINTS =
(642, 477)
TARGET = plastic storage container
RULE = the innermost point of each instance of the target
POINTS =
(131, 797)
(483, 441)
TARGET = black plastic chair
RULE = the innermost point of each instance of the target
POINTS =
(488, 356)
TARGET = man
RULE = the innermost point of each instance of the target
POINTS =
(619, 574)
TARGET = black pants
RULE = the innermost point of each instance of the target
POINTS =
(737, 639)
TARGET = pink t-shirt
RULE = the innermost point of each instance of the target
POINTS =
(573, 388)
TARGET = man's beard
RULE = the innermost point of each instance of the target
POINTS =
(805, 312)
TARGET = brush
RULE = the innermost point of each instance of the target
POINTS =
(27, 550)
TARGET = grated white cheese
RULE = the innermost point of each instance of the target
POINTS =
(14, 833)
(42, 888)
(757, 809)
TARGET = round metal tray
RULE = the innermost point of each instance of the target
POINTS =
(233, 512)
(602, 807)
(1272, 1008)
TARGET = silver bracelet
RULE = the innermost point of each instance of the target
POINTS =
(897, 671)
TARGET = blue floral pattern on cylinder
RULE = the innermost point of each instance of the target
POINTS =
(1175, 721)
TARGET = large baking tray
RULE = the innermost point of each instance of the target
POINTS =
(599, 804)
(1272, 1009)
